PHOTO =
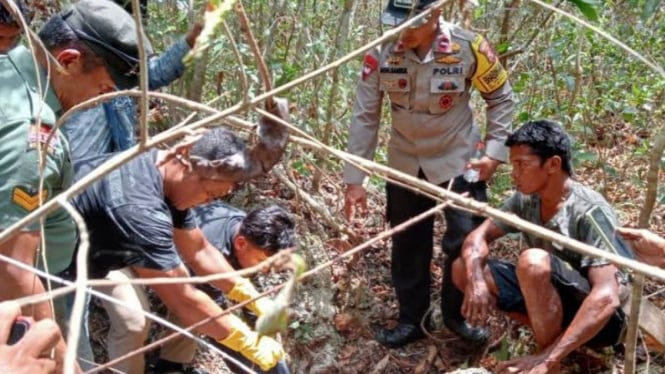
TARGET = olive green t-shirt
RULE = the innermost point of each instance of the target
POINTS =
(571, 221)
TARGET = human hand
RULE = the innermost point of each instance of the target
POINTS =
(30, 355)
(537, 364)
(648, 246)
(193, 33)
(354, 196)
(476, 304)
(486, 167)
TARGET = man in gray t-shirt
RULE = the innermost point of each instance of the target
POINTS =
(566, 298)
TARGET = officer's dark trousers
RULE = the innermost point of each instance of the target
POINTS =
(412, 249)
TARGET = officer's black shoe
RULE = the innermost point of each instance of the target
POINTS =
(461, 328)
(169, 367)
(401, 335)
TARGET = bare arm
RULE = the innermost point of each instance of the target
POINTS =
(203, 257)
(189, 304)
(475, 252)
(18, 283)
(597, 308)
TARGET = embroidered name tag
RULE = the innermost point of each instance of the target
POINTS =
(394, 83)
(42, 136)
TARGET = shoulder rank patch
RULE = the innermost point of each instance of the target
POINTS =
(27, 198)
(489, 75)
(369, 66)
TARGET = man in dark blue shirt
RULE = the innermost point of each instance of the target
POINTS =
(245, 240)
(139, 217)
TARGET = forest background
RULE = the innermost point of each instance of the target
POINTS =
(609, 100)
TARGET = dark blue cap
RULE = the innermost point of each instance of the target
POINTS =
(398, 11)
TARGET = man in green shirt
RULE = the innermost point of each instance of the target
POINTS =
(95, 44)
(566, 298)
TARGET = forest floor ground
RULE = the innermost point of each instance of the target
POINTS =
(338, 310)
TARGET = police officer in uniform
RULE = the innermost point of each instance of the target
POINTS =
(427, 73)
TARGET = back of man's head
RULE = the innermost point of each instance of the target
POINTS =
(217, 143)
(103, 33)
(8, 19)
(546, 139)
(271, 228)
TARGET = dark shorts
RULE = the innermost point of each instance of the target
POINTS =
(573, 288)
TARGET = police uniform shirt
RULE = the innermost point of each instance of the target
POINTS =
(570, 221)
(129, 220)
(432, 124)
(26, 128)
(219, 223)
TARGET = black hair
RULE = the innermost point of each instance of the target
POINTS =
(271, 228)
(56, 34)
(217, 143)
(546, 139)
(7, 18)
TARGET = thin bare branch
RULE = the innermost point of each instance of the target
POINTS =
(143, 76)
(656, 68)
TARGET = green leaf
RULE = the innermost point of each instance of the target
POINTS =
(503, 48)
(588, 8)
(584, 156)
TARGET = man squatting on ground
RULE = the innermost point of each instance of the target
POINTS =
(427, 74)
(139, 216)
(27, 121)
(567, 299)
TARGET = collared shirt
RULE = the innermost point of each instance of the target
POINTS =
(111, 126)
(26, 127)
(219, 223)
(571, 221)
(433, 128)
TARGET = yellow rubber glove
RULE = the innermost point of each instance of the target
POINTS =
(244, 290)
(261, 350)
